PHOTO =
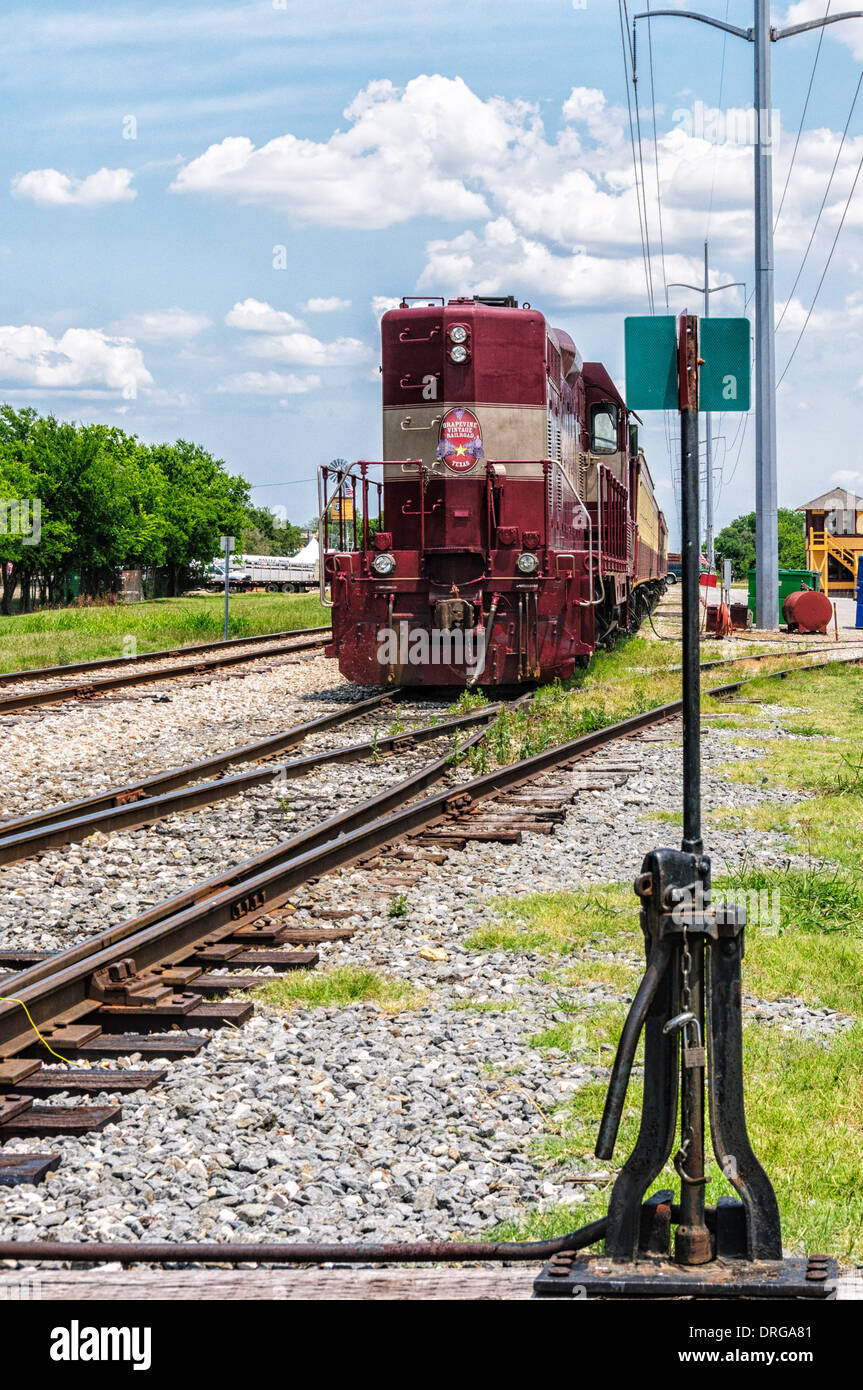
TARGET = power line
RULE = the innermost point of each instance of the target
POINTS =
(824, 272)
(802, 119)
(719, 103)
(289, 483)
(655, 154)
(642, 222)
(823, 202)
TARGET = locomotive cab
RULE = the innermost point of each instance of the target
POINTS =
(504, 540)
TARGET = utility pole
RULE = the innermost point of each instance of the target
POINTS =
(766, 494)
(761, 35)
(708, 491)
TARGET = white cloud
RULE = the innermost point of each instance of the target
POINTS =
(254, 316)
(382, 302)
(302, 350)
(83, 357)
(325, 306)
(278, 334)
(165, 324)
(407, 152)
(269, 384)
(501, 259)
(50, 188)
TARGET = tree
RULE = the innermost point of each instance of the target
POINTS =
(202, 502)
(269, 533)
(105, 501)
(736, 542)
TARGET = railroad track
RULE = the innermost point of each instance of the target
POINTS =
(166, 793)
(171, 966)
(148, 800)
(275, 644)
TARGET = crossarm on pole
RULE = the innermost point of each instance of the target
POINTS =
(813, 24)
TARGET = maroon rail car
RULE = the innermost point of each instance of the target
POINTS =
(511, 527)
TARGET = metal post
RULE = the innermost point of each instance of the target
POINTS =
(227, 544)
(706, 291)
(690, 567)
(227, 575)
(766, 519)
(708, 442)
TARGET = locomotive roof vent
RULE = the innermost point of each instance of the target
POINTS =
(503, 301)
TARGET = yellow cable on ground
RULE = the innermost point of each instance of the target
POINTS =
(9, 999)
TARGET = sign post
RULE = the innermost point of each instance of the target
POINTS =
(688, 1003)
(227, 545)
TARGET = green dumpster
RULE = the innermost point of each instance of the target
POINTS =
(790, 581)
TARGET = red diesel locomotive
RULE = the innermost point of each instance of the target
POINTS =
(516, 525)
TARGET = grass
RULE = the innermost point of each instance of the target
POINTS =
(828, 823)
(560, 923)
(484, 1006)
(338, 986)
(804, 940)
(58, 635)
(804, 1108)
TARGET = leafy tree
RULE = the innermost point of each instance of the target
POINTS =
(736, 542)
(107, 501)
(269, 533)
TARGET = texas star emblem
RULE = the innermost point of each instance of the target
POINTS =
(460, 445)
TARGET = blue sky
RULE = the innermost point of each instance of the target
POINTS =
(157, 157)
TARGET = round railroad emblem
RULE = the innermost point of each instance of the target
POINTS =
(460, 444)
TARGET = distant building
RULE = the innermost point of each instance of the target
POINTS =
(834, 539)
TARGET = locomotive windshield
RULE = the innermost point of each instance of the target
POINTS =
(604, 429)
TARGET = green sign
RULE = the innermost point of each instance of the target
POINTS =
(723, 346)
(651, 363)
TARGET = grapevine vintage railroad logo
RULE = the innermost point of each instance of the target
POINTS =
(460, 444)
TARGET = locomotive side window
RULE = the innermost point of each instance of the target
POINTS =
(603, 428)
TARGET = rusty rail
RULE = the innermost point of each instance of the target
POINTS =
(36, 673)
(29, 698)
(130, 807)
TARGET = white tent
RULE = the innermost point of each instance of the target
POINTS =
(309, 554)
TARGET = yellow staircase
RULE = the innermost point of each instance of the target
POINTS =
(823, 546)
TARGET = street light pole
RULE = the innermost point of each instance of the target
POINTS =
(706, 290)
(761, 35)
(766, 518)
(708, 433)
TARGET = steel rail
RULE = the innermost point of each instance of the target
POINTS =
(181, 776)
(63, 982)
(56, 693)
(148, 810)
(172, 930)
(71, 668)
(281, 1252)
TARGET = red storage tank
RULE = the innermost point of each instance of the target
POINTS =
(807, 610)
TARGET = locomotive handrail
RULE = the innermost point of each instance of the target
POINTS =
(404, 336)
(407, 385)
(408, 428)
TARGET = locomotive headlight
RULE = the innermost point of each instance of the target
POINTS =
(458, 333)
(384, 565)
(527, 563)
(458, 353)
